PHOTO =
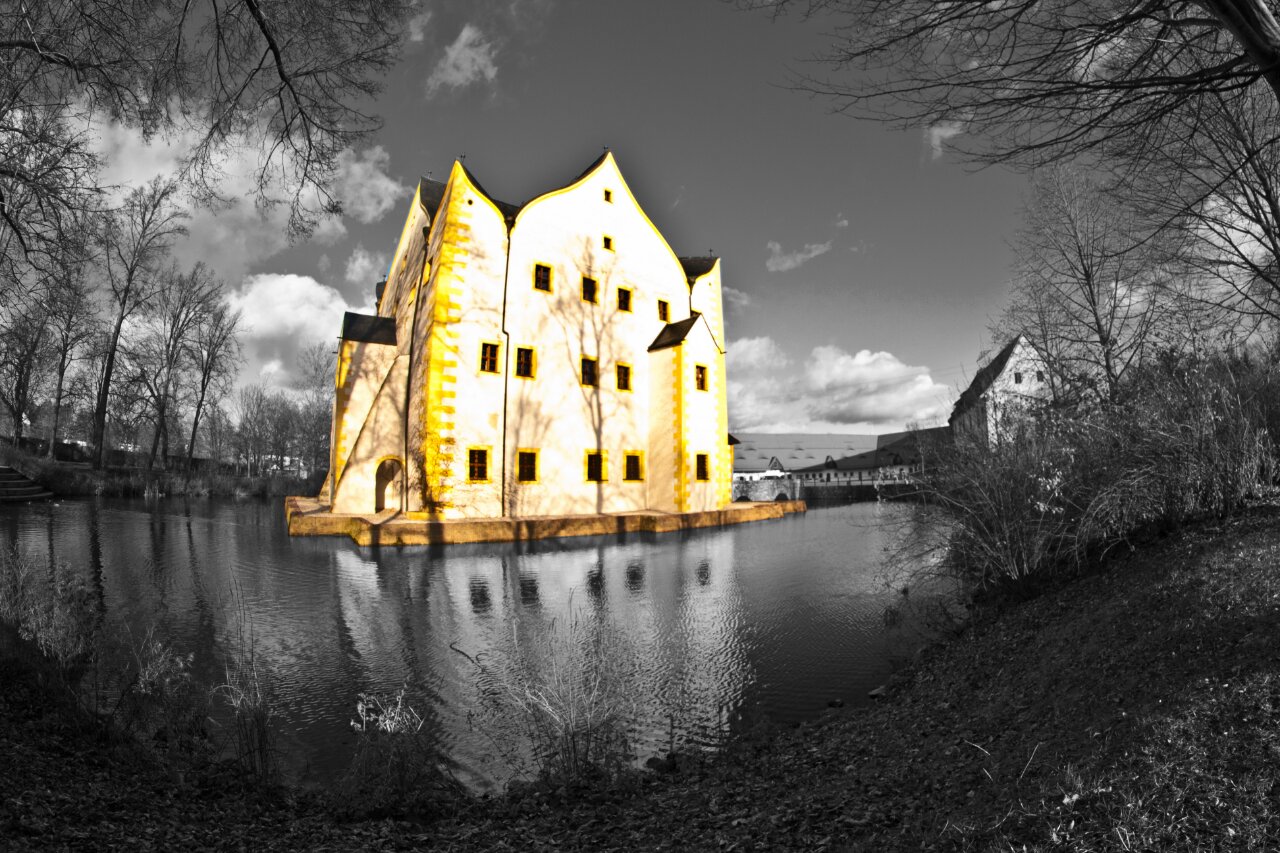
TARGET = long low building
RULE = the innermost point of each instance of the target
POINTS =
(832, 457)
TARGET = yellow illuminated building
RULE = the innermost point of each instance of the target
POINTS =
(551, 358)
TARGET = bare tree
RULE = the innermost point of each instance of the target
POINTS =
(213, 351)
(1212, 178)
(287, 78)
(23, 344)
(73, 322)
(316, 366)
(167, 324)
(1039, 80)
(252, 405)
(1084, 282)
(134, 241)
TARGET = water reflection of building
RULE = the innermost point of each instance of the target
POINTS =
(667, 613)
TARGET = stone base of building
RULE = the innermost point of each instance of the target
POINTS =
(310, 517)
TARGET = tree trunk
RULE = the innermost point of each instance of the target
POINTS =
(57, 408)
(1257, 31)
(100, 410)
(195, 425)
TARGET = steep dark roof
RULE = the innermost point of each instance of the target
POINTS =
(370, 330)
(508, 209)
(695, 267)
(733, 440)
(985, 377)
(377, 291)
(673, 333)
(430, 194)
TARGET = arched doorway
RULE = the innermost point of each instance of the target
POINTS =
(386, 494)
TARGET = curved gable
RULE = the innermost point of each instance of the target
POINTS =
(603, 171)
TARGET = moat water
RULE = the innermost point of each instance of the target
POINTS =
(701, 630)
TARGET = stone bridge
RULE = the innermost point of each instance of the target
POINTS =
(769, 489)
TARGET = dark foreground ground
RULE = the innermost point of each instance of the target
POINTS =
(1136, 709)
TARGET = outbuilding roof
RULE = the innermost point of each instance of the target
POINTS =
(673, 333)
(369, 329)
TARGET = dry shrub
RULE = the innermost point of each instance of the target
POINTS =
(556, 707)
(159, 703)
(397, 768)
(1186, 440)
(247, 693)
(52, 608)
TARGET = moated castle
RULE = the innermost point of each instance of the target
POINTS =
(550, 358)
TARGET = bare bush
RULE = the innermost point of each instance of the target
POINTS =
(397, 767)
(1188, 440)
(247, 692)
(556, 708)
(52, 608)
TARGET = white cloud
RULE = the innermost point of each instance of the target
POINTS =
(130, 161)
(779, 261)
(762, 353)
(363, 186)
(324, 263)
(365, 268)
(417, 26)
(938, 135)
(836, 391)
(282, 314)
(230, 235)
(842, 221)
(735, 300)
(468, 60)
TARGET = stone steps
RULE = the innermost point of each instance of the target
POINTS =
(15, 488)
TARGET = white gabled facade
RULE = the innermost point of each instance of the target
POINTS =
(1014, 383)
(470, 395)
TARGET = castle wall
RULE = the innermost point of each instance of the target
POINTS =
(555, 413)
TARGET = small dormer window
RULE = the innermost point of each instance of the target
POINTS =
(1017, 378)
(608, 243)
(608, 195)
(1039, 375)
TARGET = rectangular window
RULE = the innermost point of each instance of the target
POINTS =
(1039, 375)
(703, 466)
(597, 469)
(478, 465)
(633, 467)
(589, 376)
(1017, 378)
(624, 299)
(700, 377)
(664, 310)
(588, 289)
(527, 466)
(542, 277)
(608, 195)
(608, 243)
(489, 358)
(624, 377)
(524, 362)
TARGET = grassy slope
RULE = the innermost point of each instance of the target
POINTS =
(1138, 709)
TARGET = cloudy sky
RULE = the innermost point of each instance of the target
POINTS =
(861, 263)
